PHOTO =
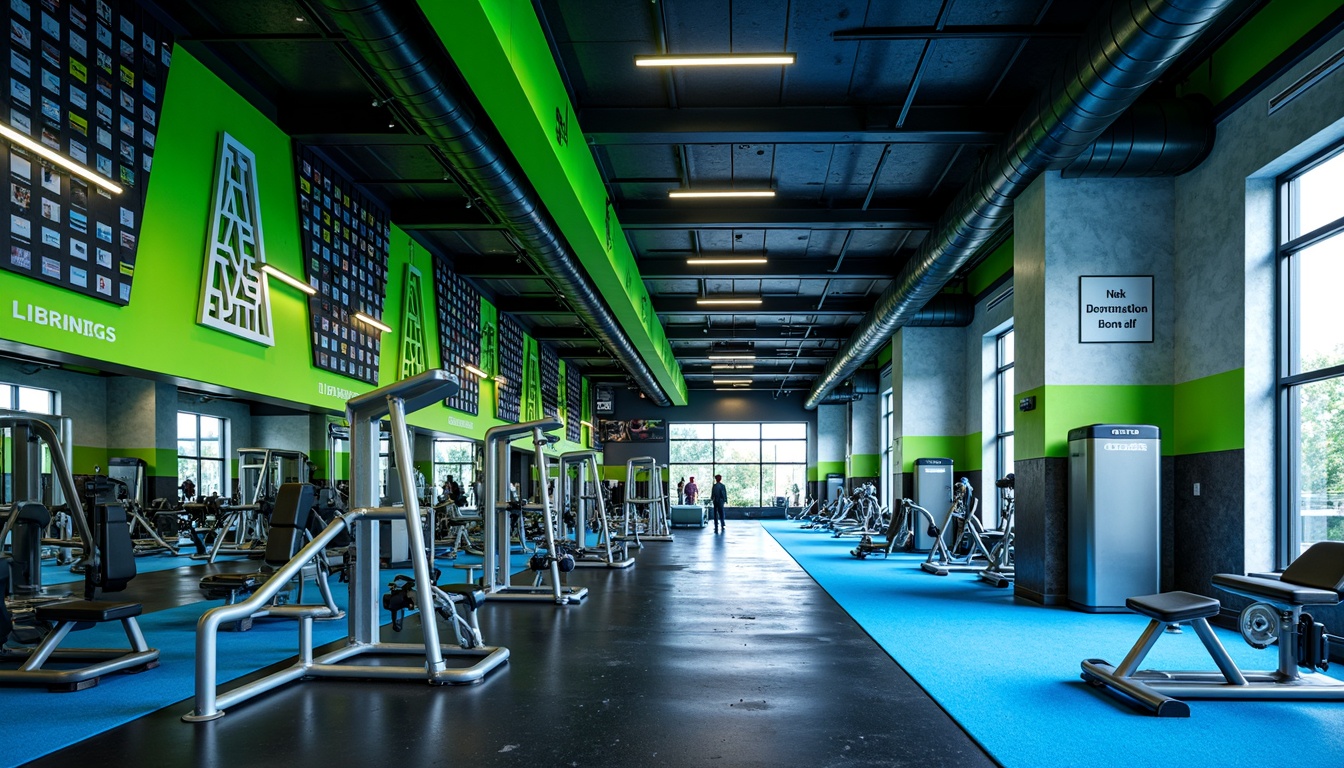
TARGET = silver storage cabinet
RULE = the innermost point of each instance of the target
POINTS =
(933, 491)
(1115, 481)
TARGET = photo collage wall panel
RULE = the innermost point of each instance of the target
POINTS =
(573, 402)
(459, 315)
(345, 239)
(509, 382)
(550, 378)
(84, 78)
(592, 405)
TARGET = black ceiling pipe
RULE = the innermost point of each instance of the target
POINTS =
(946, 310)
(1153, 138)
(1122, 52)
(400, 46)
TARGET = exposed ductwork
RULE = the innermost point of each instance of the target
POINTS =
(946, 310)
(1121, 53)
(400, 46)
(1152, 138)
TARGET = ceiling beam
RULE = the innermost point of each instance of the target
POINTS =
(438, 216)
(916, 216)
(769, 333)
(966, 32)
(663, 268)
(793, 125)
(770, 305)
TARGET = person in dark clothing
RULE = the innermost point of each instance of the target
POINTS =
(718, 496)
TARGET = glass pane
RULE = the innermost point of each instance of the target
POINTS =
(744, 483)
(690, 452)
(734, 431)
(1006, 457)
(440, 451)
(211, 427)
(210, 449)
(186, 470)
(784, 431)
(692, 431)
(1006, 350)
(703, 474)
(1008, 406)
(1320, 460)
(186, 447)
(34, 400)
(6, 396)
(792, 451)
(186, 426)
(212, 478)
(737, 450)
(1319, 200)
(1320, 316)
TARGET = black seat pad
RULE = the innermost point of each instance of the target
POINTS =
(86, 610)
(233, 580)
(1171, 607)
(472, 594)
(1274, 590)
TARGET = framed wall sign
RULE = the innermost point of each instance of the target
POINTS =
(1115, 309)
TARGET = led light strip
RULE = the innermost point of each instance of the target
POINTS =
(473, 369)
(587, 424)
(722, 367)
(363, 318)
(737, 356)
(719, 193)
(725, 260)
(732, 381)
(289, 280)
(717, 60)
(57, 158)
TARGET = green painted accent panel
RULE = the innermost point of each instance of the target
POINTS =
(1270, 33)
(997, 264)
(972, 455)
(825, 468)
(158, 461)
(1044, 432)
(1210, 413)
(884, 355)
(930, 447)
(502, 52)
(812, 474)
(86, 457)
(865, 465)
(613, 472)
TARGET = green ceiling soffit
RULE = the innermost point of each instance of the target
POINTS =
(502, 52)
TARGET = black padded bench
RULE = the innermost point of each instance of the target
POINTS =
(287, 535)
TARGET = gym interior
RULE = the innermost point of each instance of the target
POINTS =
(608, 383)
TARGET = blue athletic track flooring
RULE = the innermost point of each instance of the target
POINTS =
(1008, 672)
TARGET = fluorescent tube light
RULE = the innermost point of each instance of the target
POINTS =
(587, 424)
(734, 356)
(365, 319)
(728, 302)
(720, 193)
(288, 280)
(738, 388)
(473, 369)
(726, 367)
(717, 60)
(732, 381)
(57, 158)
(715, 261)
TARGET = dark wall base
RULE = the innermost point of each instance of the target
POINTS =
(1209, 530)
(1041, 522)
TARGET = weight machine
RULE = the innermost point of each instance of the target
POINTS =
(241, 528)
(36, 505)
(498, 511)
(582, 497)
(363, 638)
(656, 524)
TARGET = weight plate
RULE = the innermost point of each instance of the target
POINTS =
(1260, 625)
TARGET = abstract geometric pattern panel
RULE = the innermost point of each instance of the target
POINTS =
(592, 408)
(234, 297)
(459, 316)
(345, 243)
(573, 403)
(85, 83)
(550, 379)
(509, 381)
(414, 352)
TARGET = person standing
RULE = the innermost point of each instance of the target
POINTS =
(691, 491)
(718, 496)
(681, 490)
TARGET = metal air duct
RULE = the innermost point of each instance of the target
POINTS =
(1121, 53)
(398, 44)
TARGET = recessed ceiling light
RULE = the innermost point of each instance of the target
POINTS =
(718, 260)
(719, 193)
(728, 302)
(717, 60)
(363, 318)
(734, 356)
(732, 381)
(292, 281)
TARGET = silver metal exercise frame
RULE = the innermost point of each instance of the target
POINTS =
(495, 563)
(586, 461)
(364, 414)
(655, 504)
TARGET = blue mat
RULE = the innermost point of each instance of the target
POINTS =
(1008, 673)
(53, 574)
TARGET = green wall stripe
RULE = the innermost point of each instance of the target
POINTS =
(913, 447)
(998, 263)
(1044, 432)
(825, 468)
(86, 457)
(1210, 413)
(865, 464)
(972, 453)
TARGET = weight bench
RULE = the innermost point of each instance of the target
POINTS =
(110, 568)
(1278, 616)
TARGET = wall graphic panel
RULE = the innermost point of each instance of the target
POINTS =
(345, 239)
(459, 315)
(82, 79)
(509, 378)
(550, 378)
(234, 296)
(573, 403)
(414, 350)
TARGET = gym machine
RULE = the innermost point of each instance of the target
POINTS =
(1316, 577)
(35, 504)
(498, 511)
(969, 550)
(241, 528)
(363, 616)
(654, 505)
(900, 531)
(127, 475)
(1000, 571)
(581, 498)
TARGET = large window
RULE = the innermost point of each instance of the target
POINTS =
(1311, 352)
(759, 462)
(1004, 405)
(202, 444)
(888, 480)
(31, 399)
(456, 458)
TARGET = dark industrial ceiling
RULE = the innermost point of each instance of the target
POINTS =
(864, 139)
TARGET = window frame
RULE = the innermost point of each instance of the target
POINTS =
(1002, 400)
(766, 502)
(226, 482)
(16, 397)
(442, 469)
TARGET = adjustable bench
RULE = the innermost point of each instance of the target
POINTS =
(1315, 578)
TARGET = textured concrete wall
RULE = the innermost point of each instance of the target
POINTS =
(82, 397)
(932, 381)
(831, 433)
(864, 423)
(282, 432)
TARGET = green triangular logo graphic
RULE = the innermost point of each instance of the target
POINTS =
(413, 360)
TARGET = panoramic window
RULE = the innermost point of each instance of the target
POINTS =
(201, 451)
(1004, 405)
(760, 463)
(456, 458)
(1311, 352)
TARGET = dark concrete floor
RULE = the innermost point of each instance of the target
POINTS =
(711, 650)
